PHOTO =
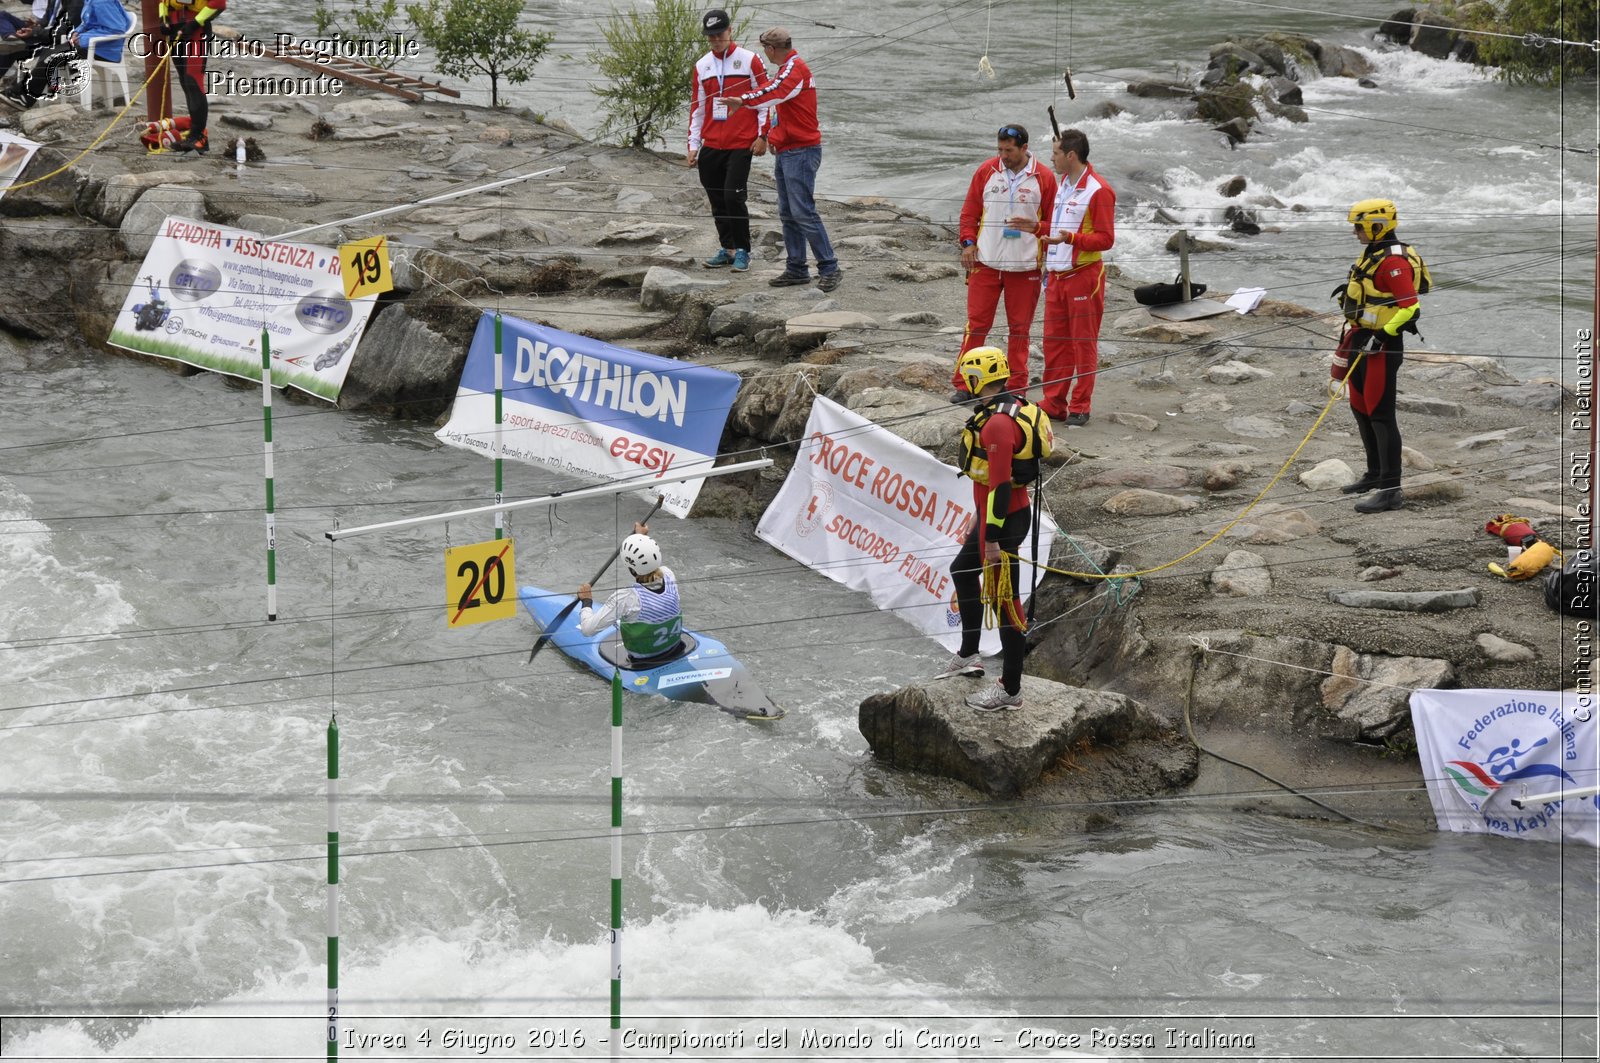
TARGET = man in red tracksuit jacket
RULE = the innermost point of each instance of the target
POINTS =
(722, 141)
(1009, 200)
(1081, 229)
(790, 99)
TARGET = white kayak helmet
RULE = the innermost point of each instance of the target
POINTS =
(641, 554)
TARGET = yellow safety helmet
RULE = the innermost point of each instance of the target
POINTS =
(982, 366)
(1376, 217)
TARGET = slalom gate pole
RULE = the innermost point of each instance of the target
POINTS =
(499, 422)
(272, 520)
(616, 854)
(333, 887)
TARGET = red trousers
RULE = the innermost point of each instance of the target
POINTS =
(1074, 303)
(985, 286)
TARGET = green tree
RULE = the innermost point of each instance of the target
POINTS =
(648, 70)
(471, 37)
(1528, 21)
(369, 20)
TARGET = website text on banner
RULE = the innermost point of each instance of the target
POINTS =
(1482, 749)
(15, 152)
(205, 292)
(591, 410)
(869, 510)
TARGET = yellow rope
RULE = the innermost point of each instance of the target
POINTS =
(1332, 398)
(70, 163)
(998, 594)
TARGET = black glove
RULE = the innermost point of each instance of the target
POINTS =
(1365, 339)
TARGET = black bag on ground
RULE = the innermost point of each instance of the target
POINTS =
(1163, 294)
(1574, 588)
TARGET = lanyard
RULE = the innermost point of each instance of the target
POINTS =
(1011, 191)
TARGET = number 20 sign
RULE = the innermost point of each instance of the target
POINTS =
(364, 265)
(479, 582)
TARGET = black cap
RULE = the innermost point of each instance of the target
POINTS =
(716, 21)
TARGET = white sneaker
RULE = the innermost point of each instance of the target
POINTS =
(995, 699)
(958, 665)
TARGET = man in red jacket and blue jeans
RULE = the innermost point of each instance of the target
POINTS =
(790, 100)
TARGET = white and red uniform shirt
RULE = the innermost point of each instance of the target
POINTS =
(996, 194)
(710, 125)
(790, 100)
(1084, 208)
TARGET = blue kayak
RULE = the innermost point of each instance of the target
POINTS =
(702, 670)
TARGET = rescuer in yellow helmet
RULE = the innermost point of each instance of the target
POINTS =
(1379, 301)
(1000, 450)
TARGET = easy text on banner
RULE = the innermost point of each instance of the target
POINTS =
(205, 292)
(592, 410)
(14, 155)
(1481, 748)
(869, 510)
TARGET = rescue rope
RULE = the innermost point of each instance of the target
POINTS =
(1335, 393)
(127, 105)
(1199, 646)
(998, 595)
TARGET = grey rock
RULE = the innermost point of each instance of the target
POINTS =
(1231, 187)
(144, 218)
(1328, 475)
(1256, 427)
(665, 288)
(1234, 372)
(819, 326)
(1377, 572)
(1543, 396)
(1431, 407)
(255, 122)
(917, 317)
(928, 728)
(1071, 552)
(399, 364)
(1206, 402)
(1502, 651)
(1485, 439)
(1370, 693)
(1336, 61)
(1137, 421)
(118, 193)
(1434, 35)
(1241, 575)
(747, 315)
(1286, 90)
(1276, 527)
(1160, 90)
(1197, 245)
(1224, 475)
(1141, 503)
(622, 232)
(1408, 601)
(1146, 476)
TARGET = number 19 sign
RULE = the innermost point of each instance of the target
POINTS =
(478, 581)
(364, 265)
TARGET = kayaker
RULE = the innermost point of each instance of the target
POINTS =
(648, 612)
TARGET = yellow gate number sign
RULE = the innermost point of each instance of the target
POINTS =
(479, 583)
(364, 265)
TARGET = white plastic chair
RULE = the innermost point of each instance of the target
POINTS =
(115, 73)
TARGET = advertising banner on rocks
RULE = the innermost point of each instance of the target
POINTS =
(869, 510)
(591, 410)
(204, 292)
(1485, 752)
(15, 152)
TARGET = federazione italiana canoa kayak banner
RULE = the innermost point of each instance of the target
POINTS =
(15, 152)
(586, 408)
(204, 292)
(869, 510)
(1481, 748)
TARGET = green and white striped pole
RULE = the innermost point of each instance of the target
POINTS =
(499, 445)
(272, 520)
(333, 887)
(616, 853)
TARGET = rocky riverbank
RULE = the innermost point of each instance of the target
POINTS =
(1290, 643)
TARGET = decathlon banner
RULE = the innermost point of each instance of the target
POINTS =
(1480, 749)
(589, 409)
(14, 155)
(205, 291)
(869, 510)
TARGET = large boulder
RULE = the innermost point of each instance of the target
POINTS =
(144, 218)
(929, 728)
(403, 365)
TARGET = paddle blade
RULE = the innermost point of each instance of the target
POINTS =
(544, 637)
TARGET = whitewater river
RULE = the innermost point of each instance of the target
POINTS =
(162, 863)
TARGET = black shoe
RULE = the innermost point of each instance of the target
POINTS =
(199, 145)
(789, 280)
(1361, 486)
(829, 281)
(1388, 498)
(1079, 419)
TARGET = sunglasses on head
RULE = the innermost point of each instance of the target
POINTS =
(1011, 132)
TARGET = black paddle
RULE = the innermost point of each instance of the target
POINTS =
(544, 636)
